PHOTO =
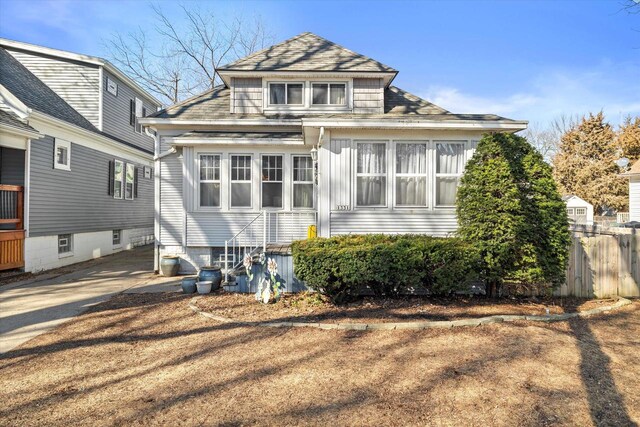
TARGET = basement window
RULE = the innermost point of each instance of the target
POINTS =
(117, 238)
(65, 244)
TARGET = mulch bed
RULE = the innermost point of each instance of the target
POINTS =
(309, 307)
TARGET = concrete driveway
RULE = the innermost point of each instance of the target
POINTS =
(32, 307)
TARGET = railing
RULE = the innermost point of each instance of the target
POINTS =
(265, 228)
(11, 214)
(245, 242)
(622, 217)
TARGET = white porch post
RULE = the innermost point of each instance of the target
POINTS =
(324, 187)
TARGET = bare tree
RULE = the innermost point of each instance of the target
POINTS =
(181, 55)
(546, 138)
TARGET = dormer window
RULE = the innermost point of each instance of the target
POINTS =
(286, 93)
(329, 94)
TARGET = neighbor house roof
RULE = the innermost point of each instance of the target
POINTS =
(214, 104)
(7, 118)
(635, 169)
(307, 52)
(36, 95)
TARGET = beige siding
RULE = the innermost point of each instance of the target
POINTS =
(171, 210)
(76, 83)
(634, 199)
(368, 96)
(434, 223)
(340, 159)
(247, 95)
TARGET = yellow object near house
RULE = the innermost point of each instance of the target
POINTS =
(312, 232)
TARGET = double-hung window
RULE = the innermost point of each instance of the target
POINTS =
(411, 174)
(209, 180)
(241, 181)
(286, 93)
(329, 94)
(302, 182)
(449, 167)
(129, 182)
(271, 181)
(371, 174)
(118, 175)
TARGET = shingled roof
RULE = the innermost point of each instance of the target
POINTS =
(214, 105)
(8, 118)
(307, 52)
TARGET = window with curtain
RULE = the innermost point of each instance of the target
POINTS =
(271, 181)
(240, 181)
(302, 182)
(449, 167)
(129, 181)
(411, 174)
(371, 174)
(329, 94)
(285, 93)
(118, 178)
(209, 180)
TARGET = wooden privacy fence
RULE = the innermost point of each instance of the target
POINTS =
(603, 264)
(11, 227)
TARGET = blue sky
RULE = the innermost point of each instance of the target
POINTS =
(530, 60)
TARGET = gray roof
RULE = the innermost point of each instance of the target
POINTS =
(10, 119)
(214, 104)
(307, 52)
(35, 94)
(248, 135)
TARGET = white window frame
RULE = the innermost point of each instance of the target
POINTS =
(286, 94)
(126, 181)
(397, 175)
(209, 181)
(232, 181)
(139, 103)
(446, 175)
(262, 181)
(328, 104)
(61, 143)
(356, 175)
(70, 244)
(117, 233)
(115, 179)
(583, 210)
(294, 183)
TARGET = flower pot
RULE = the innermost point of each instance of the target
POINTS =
(169, 265)
(203, 287)
(189, 284)
(211, 274)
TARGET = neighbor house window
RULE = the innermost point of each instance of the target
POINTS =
(136, 110)
(286, 93)
(240, 181)
(129, 182)
(449, 167)
(210, 180)
(302, 182)
(116, 238)
(329, 94)
(62, 154)
(65, 245)
(118, 178)
(411, 174)
(271, 181)
(371, 174)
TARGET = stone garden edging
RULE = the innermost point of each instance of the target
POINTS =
(414, 325)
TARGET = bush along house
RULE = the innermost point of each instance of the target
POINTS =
(75, 163)
(305, 133)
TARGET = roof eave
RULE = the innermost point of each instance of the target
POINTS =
(405, 123)
(227, 74)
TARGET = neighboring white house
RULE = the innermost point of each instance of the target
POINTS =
(303, 133)
(634, 191)
(579, 210)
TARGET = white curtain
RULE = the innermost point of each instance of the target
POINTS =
(411, 159)
(337, 94)
(371, 189)
(450, 160)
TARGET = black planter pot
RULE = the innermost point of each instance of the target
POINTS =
(212, 274)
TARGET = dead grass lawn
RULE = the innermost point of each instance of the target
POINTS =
(149, 360)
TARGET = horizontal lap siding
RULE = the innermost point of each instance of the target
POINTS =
(76, 83)
(115, 115)
(77, 201)
(171, 210)
(247, 95)
(368, 96)
(361, 222)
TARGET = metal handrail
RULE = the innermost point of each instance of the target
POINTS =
(248, 249)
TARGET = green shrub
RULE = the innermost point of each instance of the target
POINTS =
(342, 267)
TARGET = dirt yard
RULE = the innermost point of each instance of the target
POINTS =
(149, 360)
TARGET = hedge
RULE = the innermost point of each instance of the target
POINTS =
(343, 267)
